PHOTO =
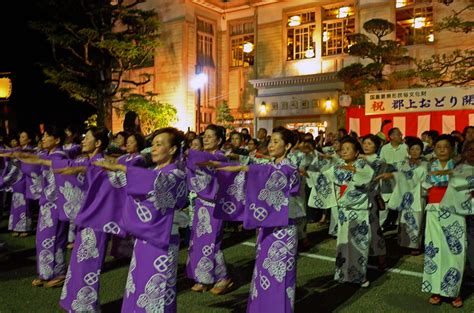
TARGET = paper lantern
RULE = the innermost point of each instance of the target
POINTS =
(345, 101)
(5, 88)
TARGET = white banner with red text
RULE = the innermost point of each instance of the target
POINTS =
(419, 100)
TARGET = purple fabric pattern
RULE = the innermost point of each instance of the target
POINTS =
(156, 195)
(80, 292)
(33, 178)
(271, 185)
(230, 203)
(51, 233)
(72, 150)
(81, 288)
(151, 286)
(71, 188)
(14, 180)
(202, 179)
(206, 264)
(273, 283)
(123, 247)
(101, 209)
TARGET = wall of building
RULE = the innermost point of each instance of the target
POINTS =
(176, 57)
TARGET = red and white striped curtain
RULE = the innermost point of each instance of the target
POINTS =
(411, 124)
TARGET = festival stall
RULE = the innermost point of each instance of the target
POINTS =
(414, 110)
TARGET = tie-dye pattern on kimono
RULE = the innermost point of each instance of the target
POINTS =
(408, 198)
(205, 264)
(51, 232)
(354, 234)
(445, 239)
(267, 207)
(158, 195)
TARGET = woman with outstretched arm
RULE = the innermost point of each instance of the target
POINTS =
(158, 194)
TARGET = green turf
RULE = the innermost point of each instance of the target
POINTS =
(316, 291)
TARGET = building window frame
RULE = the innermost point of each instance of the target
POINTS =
(241, 43)
(337, 24)
(414, 22)
(299, 38)
(205, 42)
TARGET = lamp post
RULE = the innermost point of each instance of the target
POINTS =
(5, 92)
(197, 83)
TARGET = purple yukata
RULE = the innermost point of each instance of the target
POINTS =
(72, 150)
(71, 192)
(230, 203)
(14, 179)
(267, 207)
(123, 247)
(33, 178)
(81, 288)
(99, 216)
(158, 195)
(205, 264)
(51, 232)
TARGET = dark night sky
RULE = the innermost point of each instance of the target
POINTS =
(21, 48)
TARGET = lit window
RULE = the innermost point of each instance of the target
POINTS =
(205, 43)
(343, 12)
(300, 30)
(338, 23)
(242, 44)
(400, 3)
(294, 20)
(415, 22)
(431, 37)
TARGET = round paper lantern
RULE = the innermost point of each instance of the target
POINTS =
(5, 88)
(345, 100)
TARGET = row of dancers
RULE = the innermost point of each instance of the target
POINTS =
(103, 196)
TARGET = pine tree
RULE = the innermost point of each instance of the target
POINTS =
(224, 117)
(457, 67)
(360, 78)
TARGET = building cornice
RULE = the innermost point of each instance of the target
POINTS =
(226, 7)
(294, 80)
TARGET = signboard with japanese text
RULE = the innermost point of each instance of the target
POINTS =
(419, 100)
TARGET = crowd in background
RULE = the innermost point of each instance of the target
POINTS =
(360, 187)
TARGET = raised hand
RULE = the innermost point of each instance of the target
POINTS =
(442, 172)
(29, 160)
(233, 168)
(110, 166)
(208, 164)
(6, 155)
(70, 170)
(384, 176)
(325, 156)
(303, 172)
(25, 155)
(348, 168)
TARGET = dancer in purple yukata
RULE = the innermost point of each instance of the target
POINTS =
(33, 177)
(80, 290)
(123, 247)
(158, 194)
(268, 190)
(73, 149)
(99, 216)
(51, 232)
(206, 264)
(14, 179)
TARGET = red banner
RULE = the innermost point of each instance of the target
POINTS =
(411, 124)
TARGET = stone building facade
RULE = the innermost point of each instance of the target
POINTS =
(275, 62)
